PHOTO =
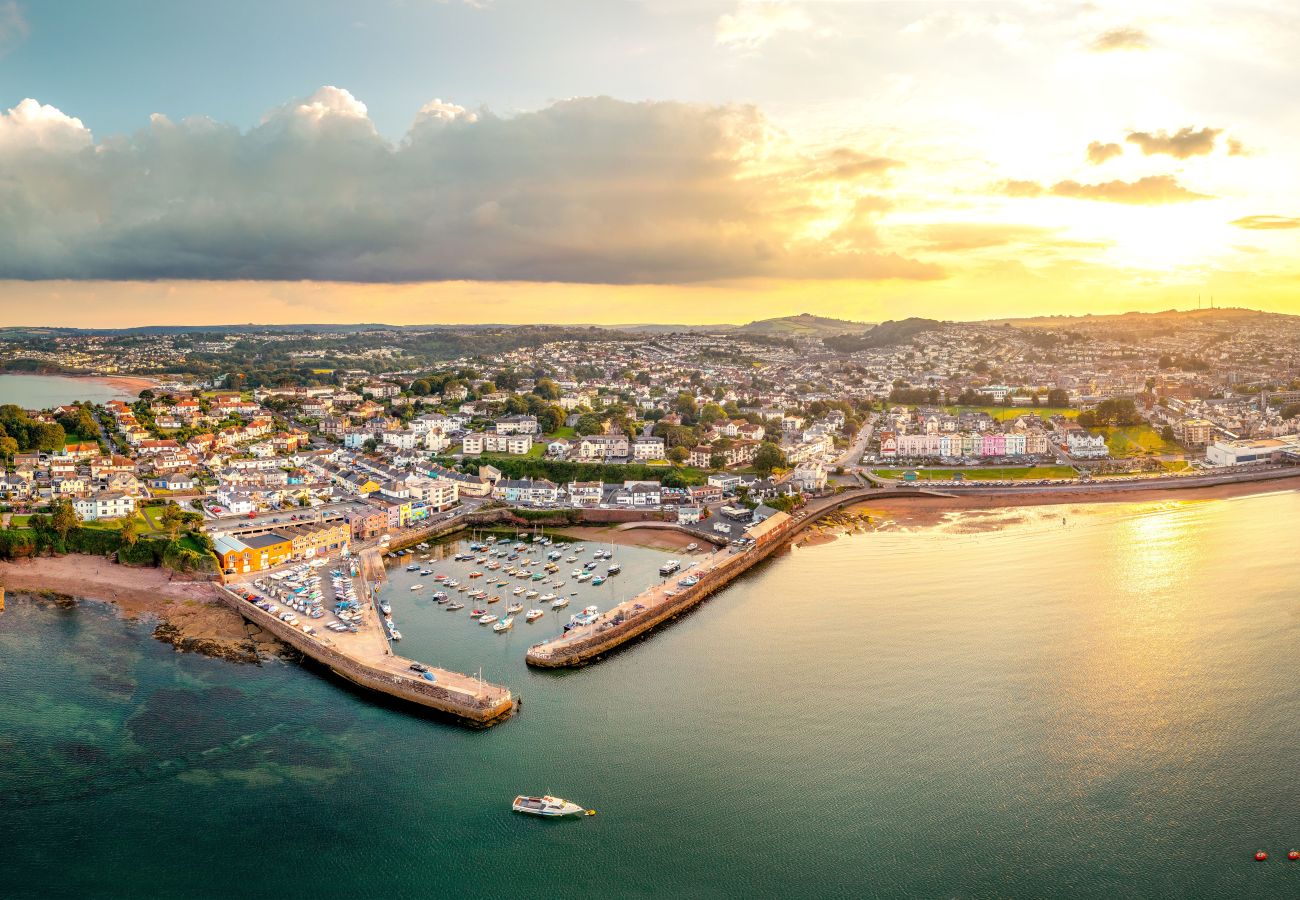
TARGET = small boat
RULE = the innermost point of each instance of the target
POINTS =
(529, 595)
(478, 611)
(614, 569)
(584, 576)
(514, 607)
(599, 579)
(559, 603)
(417, 587)
(454, 606)
(692, 546)
(475, 574)
(571, 559)
(549, 807)
(504, 625)
(487, 619)
(440, 596)
(494, 599)
(517, 591)
(533, 615)
(385, 608)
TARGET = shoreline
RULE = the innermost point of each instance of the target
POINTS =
(190, 615)
(925, 511)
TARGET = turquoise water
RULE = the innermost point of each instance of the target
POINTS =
(1106, 708)
(48, 391)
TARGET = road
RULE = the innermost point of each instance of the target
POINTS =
(853, 456)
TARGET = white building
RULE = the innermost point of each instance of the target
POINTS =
(104, 505)
(1083, 445)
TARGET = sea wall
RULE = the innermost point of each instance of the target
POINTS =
(479, 710)
(585, 650)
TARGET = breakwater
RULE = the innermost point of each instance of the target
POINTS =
(466, 699)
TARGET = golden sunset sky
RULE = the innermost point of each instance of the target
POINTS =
(655, 161)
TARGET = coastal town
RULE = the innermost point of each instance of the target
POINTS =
(354, 442)
(350, 447)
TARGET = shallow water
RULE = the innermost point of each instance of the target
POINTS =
(1107, 708)
(48, 391)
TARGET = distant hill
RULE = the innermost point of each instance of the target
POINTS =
(802, 325)
(1166, 317)
(886, 334)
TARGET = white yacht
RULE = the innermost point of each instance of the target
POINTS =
(549, 806)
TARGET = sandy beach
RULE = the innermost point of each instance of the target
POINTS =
(189, 614)
(133, 384)
(668, 539)
(921, 511)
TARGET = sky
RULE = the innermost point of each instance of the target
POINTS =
(621, 161)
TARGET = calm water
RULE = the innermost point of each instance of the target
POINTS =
(1104, 709)
(47, 391)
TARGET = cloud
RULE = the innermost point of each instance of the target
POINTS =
(755, 22)
(1236, 147)
(590, 190)
(1266, 223)
(946, 237)
(1016, 188)
(1153, 190)
(13, 26)
(1185, 143)
(1126, 38)
(1098, 152)
(848, 164)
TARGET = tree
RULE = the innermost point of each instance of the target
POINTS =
(678, 454)
(1167, 434)
(1290, 411)
(768, 457)
(171, 520)
(63, 519)
(8, 447)
(1058, 397)
(130, 531)
(717, 460)
(547, 389)
(589, 423)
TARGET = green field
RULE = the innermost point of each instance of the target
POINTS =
(1136, 440)
(564, 432)
(1029, 473)
(1003, 413)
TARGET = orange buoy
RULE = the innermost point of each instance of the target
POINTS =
(1293, 855)
(1260, 856)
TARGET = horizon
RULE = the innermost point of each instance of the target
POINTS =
(478, 162)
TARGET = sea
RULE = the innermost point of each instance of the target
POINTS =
(48, 391)
(1092, 701)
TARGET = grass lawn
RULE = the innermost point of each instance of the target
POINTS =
(1136, 440)
(563, 433)
(18, 521)
(1032, 473)
(1002, 413)
(153, 516)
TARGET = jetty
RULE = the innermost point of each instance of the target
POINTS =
(366, 659)
(667, 600)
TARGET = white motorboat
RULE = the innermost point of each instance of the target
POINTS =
(560, 603)
(549, 807)
(504, 625)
